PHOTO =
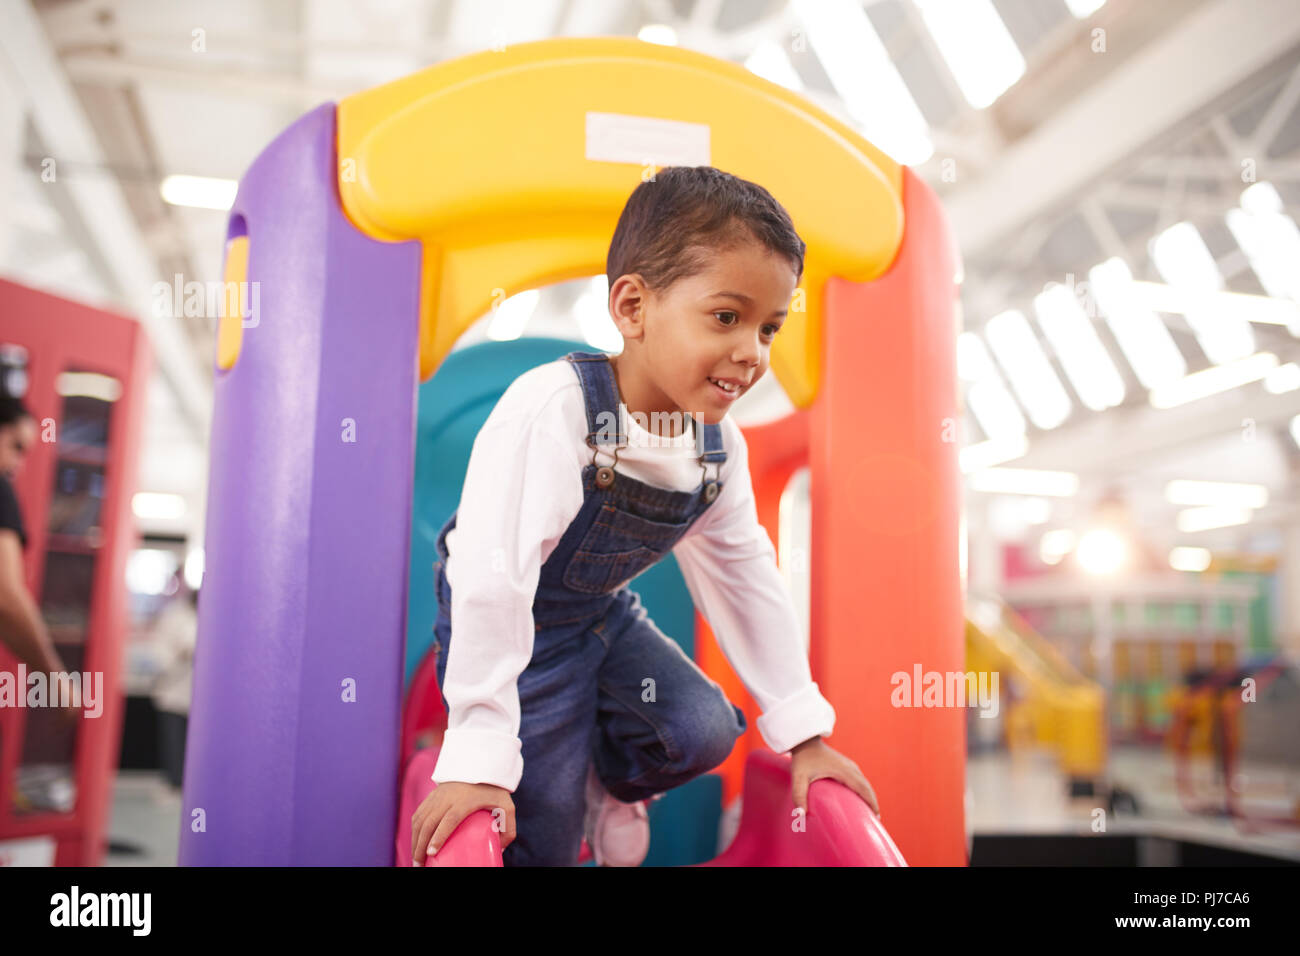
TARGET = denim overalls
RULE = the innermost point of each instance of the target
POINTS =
(604, 684)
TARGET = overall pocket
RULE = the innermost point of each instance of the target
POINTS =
(594, 573)
(617, 547)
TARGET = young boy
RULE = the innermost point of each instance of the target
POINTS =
(568, 707)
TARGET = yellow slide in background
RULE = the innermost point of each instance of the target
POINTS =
(1054, 705)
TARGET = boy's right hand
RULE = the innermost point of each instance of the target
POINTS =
(447, 805)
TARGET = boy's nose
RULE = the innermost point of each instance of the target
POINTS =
(747, 355)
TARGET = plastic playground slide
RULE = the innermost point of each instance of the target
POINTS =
(839, 830)
(1059, 707)
(374, 268)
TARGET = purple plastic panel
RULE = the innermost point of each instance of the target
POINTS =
(307, 539)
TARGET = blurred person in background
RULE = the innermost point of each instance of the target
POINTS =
(22, 630)
(174, 634)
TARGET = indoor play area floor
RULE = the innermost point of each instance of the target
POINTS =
(1024, 795)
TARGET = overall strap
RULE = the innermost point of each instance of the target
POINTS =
(713, 450)
(600, 394)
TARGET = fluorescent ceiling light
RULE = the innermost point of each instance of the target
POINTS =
(864, 76)
(149, 504)
(1142, 337)
(988, 399)
(1055, 545)
(1227, 494)
(995, 451)
(1181, 257)
(1284, 378)
(1102, 551)
(658, 33)
(996, 411)
(1084, 8)
(1206, 519)
(1025, 481)
(771, 63)
(1075, 341)
(1031, 375)
(1211, 381)
(975, 44)
(1260, 309)
(200, 192)
(1261, 199)
(512, 315)
(1271, 242)
(1189, 559)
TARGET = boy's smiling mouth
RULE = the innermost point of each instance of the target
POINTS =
(728, 388)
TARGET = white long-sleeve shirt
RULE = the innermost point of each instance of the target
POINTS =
(522, 490)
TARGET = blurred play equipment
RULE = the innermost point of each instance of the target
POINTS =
(1140, 636)
(1050, 703)
(1237, 714)
(377, 230)
(83, 373)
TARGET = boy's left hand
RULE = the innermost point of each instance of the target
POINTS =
(814, 759)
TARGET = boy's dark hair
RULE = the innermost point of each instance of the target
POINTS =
(12, 410)
(669, 223)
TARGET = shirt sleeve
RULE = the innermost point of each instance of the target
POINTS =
(730, 568)
(522, 489)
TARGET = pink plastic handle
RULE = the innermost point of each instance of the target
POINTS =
(840, 829)
(474, 843)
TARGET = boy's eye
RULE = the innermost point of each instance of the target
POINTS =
(769, 331)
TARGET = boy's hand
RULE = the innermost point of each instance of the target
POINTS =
(442, 811)
(814, 759)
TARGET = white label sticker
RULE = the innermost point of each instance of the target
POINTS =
(644, 140)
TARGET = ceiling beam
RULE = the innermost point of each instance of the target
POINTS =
(1207, 53)
(1131, 438)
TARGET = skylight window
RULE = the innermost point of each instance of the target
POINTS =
(864, 76)
(1181, 257)
(1142, 337)
(975, 44)
(1084, 358)
(1271, 242)
(1031, 375)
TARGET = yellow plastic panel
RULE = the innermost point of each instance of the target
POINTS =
(230, 330)
(484, 159)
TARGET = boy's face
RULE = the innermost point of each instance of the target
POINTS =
(715, 326)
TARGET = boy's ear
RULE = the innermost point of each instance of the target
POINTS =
(627, 304)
